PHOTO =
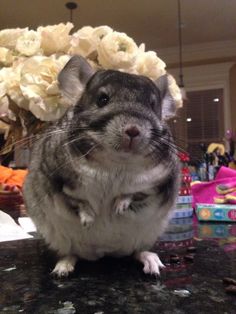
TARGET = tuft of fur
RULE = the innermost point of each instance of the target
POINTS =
(93, 189)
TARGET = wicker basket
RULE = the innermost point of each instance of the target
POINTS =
(11, 201)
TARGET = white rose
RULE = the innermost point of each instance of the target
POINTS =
(3, 99)
(3, 85)
(4, 102)
(101, 31)
(175, 91)
(117, 51)
(148, 64)
(6, 57)
(8, 37)
(81, 42)
(4, 106)
(55, 38)
(28, 44)
(11, 77)
(39, 86)
(85, 41)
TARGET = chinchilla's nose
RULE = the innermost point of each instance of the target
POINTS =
(132, 131)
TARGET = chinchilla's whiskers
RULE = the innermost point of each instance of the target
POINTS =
(22, 142)
(158, 153)
(157, 146)
(161, 139)
(115, 146)
(74, 139)
(34, 138)
(178, 139)
(174, 148)
(178, 148)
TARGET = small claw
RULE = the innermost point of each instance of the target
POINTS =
(86, 219)
(121, 205)
(152, 263)
(64, 266)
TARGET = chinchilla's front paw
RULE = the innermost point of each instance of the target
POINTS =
(151, 262)
(86, 218)
(64, 266)
(121, 204)
(86, 214)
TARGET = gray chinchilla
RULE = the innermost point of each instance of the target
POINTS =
(103, 179)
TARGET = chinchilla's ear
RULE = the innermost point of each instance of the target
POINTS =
(168, 102)
(74, 76)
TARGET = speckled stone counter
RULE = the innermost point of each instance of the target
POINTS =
(118, 285)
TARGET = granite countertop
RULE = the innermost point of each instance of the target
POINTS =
(118, 285)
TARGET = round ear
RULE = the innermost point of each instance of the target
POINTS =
(74, 77)
(169, 102)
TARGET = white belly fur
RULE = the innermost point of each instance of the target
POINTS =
(110, 234)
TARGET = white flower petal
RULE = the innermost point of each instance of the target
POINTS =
(175, 91)
(117, 51)
(8, 37)
(29, 43)
(39, 86)
(55, 38)
(4, 103)
(6, 57)
(148, 64)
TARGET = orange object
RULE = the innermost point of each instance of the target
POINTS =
(12, 177)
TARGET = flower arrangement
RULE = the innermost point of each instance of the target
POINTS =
(31, 60)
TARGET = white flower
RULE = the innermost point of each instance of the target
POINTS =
(148, 64)
(8, 37)
(3, 85)
(39, 86)
(3, 98)
(4, 106)
(31, 64)
(11, 77)
(101, 31)
(81, 42)
(6, 57)
(85, 41)
(28, 44)
(3, 89)
(4, 102)
(175, 91)
(117, 51)
(55, 38)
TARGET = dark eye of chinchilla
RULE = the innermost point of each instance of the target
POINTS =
(102, 100)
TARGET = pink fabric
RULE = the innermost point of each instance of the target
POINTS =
(225, 172)
(204, 192)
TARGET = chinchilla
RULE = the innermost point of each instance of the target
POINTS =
(104, 178)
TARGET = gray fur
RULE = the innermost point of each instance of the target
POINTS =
(91, 190)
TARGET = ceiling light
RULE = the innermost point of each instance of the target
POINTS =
(216, 99)
(189, 119)
(71, 6)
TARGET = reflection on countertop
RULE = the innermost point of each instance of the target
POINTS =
(187, 285)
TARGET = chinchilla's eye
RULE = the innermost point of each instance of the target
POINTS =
(102, 100)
